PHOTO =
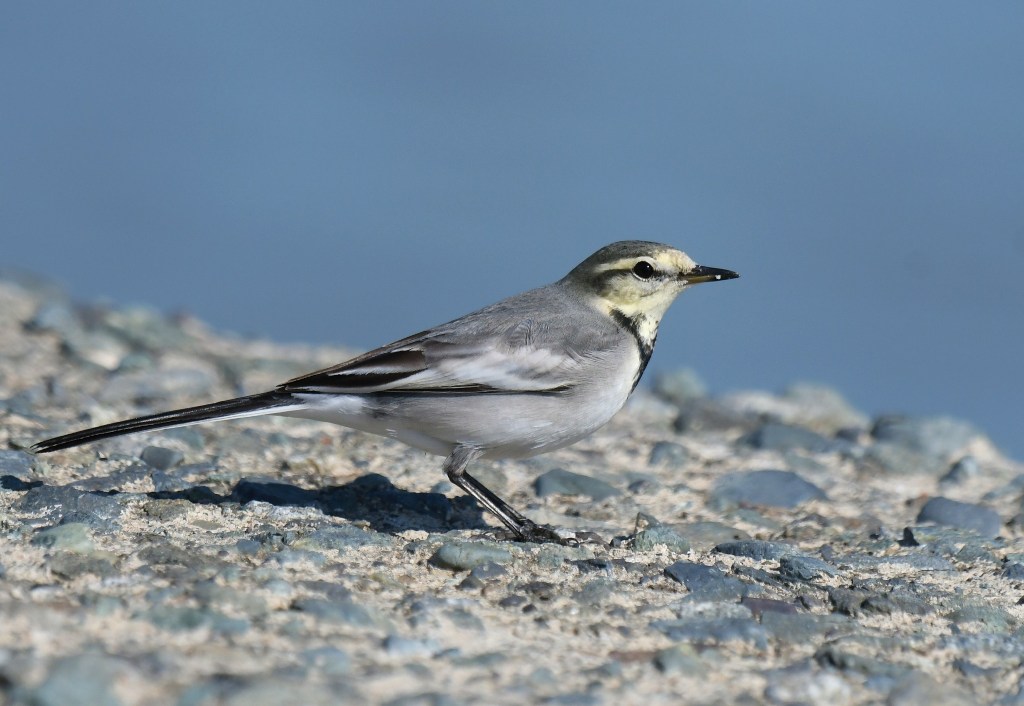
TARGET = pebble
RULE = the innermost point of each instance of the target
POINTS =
(964, 470)
(17, 464)
(87, 679)
(160, 458)
(73, 536)
(774, 436)
(59, 501)
(679, 386)
(343, 538)
(931, 436)
(770, 488)
(679, 659)
(559, 481)
(757, 549)
(804, 568)
(462, 556)
(943, 511)
(648, 539)
(668, 453)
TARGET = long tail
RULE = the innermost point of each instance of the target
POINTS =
(250, 406)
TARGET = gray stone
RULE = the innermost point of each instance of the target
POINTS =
(962, 471)
(679, 659)
(80, 680)
(704, 535)
(679, 386)
(668, 453)
(833, 655)
(341, 610)
(706, 583)
(1013, 571)
(692, 575)
(757, 549)
(801, 628)
(405, 647)
(71, 565)
(783, 437)
(715, 631)
(992, 617)
(462, 556)
(160, 458)
(343, 538)
(57, 501)
(73, 536)
(804, 568)
(558, 481)
(772, 488)
(931, 436)
(17, 464)
(943, 511)
(648, 539)
(181, 618)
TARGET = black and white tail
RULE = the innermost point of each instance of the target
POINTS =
(273, 402)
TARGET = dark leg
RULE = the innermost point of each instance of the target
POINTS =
(524, 529)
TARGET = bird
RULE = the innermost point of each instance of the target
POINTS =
(529, 374)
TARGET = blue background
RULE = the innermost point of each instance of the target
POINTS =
(352, 172)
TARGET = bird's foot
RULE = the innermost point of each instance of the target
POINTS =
(530, 531)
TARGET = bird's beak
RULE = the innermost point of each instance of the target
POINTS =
(706, 274)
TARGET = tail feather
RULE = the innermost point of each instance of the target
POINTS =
(250, 406)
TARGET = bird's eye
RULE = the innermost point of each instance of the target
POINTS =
(643, 269)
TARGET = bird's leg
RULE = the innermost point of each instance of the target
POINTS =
(524, 529)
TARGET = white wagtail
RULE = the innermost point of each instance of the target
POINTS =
(530, 374)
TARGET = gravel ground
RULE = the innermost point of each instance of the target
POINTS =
(751, 548)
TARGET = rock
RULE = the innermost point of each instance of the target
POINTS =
(340, 610)
(668, 453)
(771, 488)
(57, 501)
(715, 631)
(706, 583)
(679, 659)
(1013, 571)
(943, 511)
(756, 549)
(181, 618)
(804, 568)
(648, 539)
(705, 535)
(679, 386)
(561, 482)
(938, 437)
(964, 470)
(160, 458)
(692, 575)
(86, 679)
(17, 464)
(462, 556)
(783, 437)
(343, 538)
(73, 536)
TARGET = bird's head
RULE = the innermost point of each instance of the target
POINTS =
(636, 278)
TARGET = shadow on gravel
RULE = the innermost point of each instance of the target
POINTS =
(371, 498)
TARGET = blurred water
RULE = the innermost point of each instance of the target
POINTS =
(351, 172)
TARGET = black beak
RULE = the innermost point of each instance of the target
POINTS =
(707, 274)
